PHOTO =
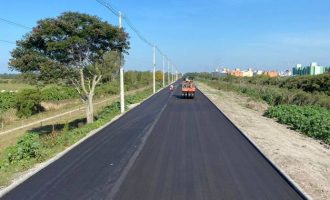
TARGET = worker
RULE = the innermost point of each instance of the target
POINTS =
(171, 88)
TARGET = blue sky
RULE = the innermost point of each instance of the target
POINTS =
(199, 35)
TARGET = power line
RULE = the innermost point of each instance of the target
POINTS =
(15, 24)
(129, 23)
(116, 12)
(109, 6)
(9, 42)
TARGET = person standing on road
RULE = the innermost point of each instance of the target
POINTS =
(171, 88)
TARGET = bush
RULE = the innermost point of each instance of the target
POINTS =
(310, 120)
(27, 147)
(7, 101)
(28, 102)
(114, 108)
(107, 88)
(56, 93)
(274, 95)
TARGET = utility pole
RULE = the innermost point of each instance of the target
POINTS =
(172, 74)
(168, 71)
(176, 75)
(163, 71)
(122, 97)
(154, 70)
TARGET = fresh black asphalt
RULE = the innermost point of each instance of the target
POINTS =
(193, 153)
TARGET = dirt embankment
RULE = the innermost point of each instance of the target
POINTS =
(303, 159)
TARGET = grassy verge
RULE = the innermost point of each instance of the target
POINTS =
(273, 95)
(35, 147)
(310, 120)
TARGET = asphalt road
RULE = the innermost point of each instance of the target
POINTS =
(166, 149)
(90, 170)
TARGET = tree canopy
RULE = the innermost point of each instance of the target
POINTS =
(57, 47)
(72, 48)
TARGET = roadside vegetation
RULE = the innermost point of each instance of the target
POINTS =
(311, 120)
(68, 59)
(302, 102)
(28, 102)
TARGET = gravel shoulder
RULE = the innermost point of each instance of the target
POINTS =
(305, 160)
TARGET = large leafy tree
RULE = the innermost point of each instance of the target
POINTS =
(72, 48)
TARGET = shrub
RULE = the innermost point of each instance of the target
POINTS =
(274, 95)
(27, 147)
(28, 102)
(107, 88)
(56, 93)
(310, 120)
(114, 108)
(7, 101)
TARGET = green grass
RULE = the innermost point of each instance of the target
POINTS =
(15, 86)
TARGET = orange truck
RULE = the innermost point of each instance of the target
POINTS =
(188, 89)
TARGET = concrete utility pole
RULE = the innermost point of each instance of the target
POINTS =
(122, 95)
(168, 71)
(172, 74)
(163, 71)
(176, 75)
(154, 70)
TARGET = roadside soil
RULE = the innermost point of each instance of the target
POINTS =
(305, 160)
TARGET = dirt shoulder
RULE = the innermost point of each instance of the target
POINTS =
(303, 159)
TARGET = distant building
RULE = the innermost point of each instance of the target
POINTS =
(237, 72)
(271, 74)
(247, 73)
(286, 73)
(257, 72)
(220, 72)
(313, 69)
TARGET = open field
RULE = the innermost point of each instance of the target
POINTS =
(14, 86)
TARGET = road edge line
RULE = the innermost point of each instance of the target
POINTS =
(40, 166)
(286, 177)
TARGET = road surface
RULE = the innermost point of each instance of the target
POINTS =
(168, 148)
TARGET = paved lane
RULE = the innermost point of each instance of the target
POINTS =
(192, 152)
(195, 153)
(90, 170)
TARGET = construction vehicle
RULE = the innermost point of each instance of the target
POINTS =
(188, 89)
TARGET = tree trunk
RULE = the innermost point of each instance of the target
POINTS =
(87, 95)
(89, 109)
